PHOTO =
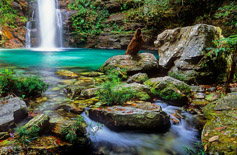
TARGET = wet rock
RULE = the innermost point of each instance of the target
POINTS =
(73, 91)
(182, 49)
(198, 89)
(41, 121)
(4, 135)
(67, 74)
(212, 89)
(212, 97)
(144, 117)
(233, 89)
(43, 145)
(85, 82)
(222, 123)
(175, 92)
(60, 123)
(136, 43)
(199, 95)
(138, 78)
(12, 110)
(89, 93)
(144, 62)
(91, 74)
(141, 91)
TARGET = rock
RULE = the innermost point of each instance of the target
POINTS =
(219, 133)
(211, 89)
(60, 123)
(85, 82)
(234, 89)
(212, 97)
(143, 118)
(141, 91)
(73, 91)
(67, 74)
(91, 74)
(89, 93)
(198, 89)
(144, 62)
(4, 135)
(199, 95)
(41, 121)
(43, 145)
(175, 92)
(136, 43)
(138, 78)
(181, 50)
(12, 110)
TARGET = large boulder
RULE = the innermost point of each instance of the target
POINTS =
(139, 78)
(173, 91)
(143, 117)
(219, 133)
(142, 92)
(181, 50)
(144, 62)
(12, 110)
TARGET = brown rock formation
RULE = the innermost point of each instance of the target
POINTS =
(136, 43)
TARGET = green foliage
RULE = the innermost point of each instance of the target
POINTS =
(168, 90)
(26, 136)
(89, 17)
(147, 10)
(74, 130)
(221, 56)
(177, 76)
(198, 151)
(228, 13)
(27, 86)
(112, 92)
(7, 13)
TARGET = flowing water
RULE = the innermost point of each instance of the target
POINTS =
(45, 64)
(46, 23)
(172, 142)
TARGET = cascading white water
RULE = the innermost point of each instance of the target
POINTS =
(50, 24)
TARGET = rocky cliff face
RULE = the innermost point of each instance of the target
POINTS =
(14, 36)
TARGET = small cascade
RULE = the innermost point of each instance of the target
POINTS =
(44, 28)
(179, 136)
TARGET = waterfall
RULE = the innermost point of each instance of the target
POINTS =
(44, 28)
(50, 24)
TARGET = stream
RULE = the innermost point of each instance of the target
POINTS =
(104, 140)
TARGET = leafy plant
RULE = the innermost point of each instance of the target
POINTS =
(7, 13)
(26, 136)
(27, 86)
(228, 13)
(225, 49)
(112, 92)
(74, 130)
(198, 151)
(89, 17)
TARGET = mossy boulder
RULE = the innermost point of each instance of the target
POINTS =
(143, 117)
(171, 90)
(219, 133)
(144, 62)
(141, 92)
(67, 74)
(138, 78)
(61, 127)
(181, 51)
(91, 74)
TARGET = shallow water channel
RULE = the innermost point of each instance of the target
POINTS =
(45, 64)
